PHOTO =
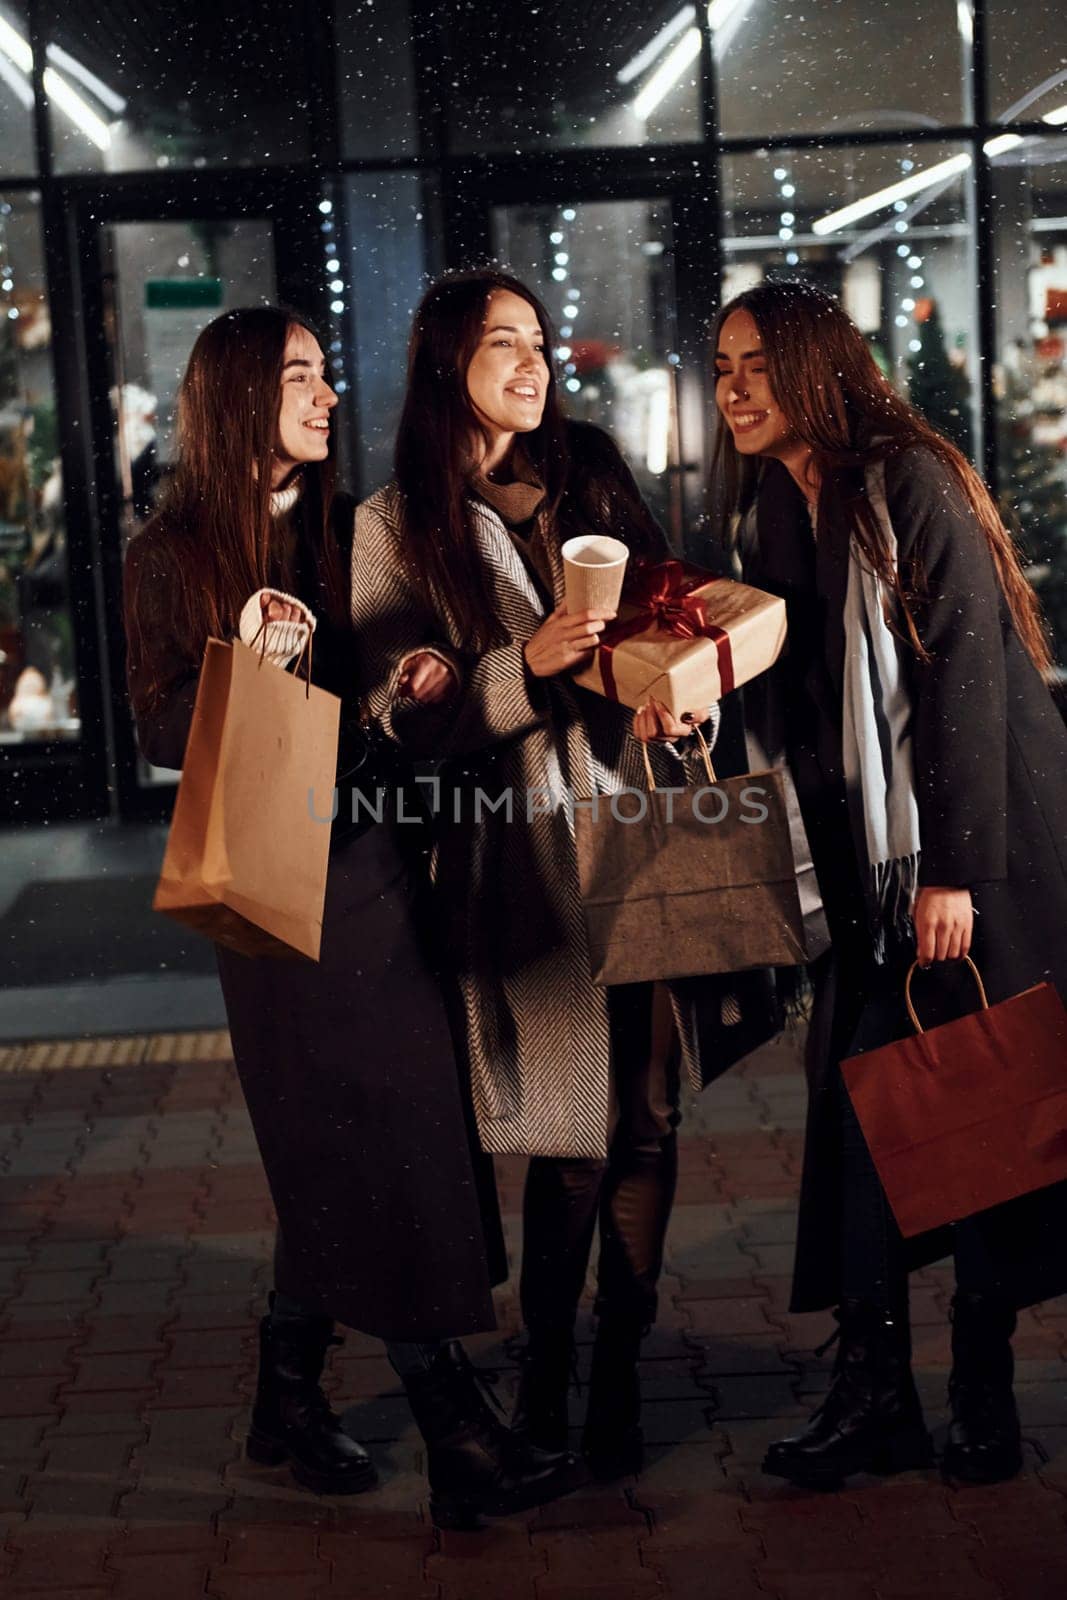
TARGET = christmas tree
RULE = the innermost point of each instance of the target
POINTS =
(937, 387)
(1033, 501)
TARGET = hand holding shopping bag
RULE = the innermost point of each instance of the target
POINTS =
(247, 852)
(969, 1114)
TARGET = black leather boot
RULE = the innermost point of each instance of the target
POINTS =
(475, 1465)
(291, 1417)
(984, 1441)
(612, 1441)
(871, 1419)
(541, 1407)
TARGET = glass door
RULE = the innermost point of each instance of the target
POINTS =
(164, 282)
(156, 267)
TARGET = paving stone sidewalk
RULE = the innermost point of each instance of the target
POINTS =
(135, 1235)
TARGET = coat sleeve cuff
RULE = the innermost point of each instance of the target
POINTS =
(279, 641)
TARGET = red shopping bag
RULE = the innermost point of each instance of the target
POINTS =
(969, 1114)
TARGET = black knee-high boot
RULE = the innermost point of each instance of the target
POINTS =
(291, 1417)
(984, 1441)
(635, 1208)
(612, 1442)
(559, 1218)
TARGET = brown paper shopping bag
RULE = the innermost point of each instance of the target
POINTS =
(969, 1114)
(247, 852)
(701, 880)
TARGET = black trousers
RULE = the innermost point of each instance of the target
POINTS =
(630, 1194)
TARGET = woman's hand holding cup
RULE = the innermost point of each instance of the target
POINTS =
(565, 641)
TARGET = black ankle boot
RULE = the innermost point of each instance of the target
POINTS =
(871, 1419)
(475, 1465)
(612, 1441)
(984, 1441)
(541, 1407)
(291, 1417)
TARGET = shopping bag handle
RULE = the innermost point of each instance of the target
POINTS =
(704, 751)
(302, 660)
(916, 1024)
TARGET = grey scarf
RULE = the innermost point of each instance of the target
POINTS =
(877, 735)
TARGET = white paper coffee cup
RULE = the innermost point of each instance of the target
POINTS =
(594, 567)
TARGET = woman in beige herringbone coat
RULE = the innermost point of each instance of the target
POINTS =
(462, 554)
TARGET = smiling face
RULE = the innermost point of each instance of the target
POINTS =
(306, 403)
(507, 379)
(743, 392)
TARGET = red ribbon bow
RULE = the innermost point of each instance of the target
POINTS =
(664, 598)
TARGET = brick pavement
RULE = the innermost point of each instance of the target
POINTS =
(134, 1247)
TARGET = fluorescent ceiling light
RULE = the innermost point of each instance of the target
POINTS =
(15, 46)
(720, 12)
(724, 17)
(655, 48)
(1002, 142)
(71, 65)
(658, 429)
(667, 74)
(17, 49)
(965, 20)
(1057, 117)
(78, 110)
(16, 81)
(915, 183)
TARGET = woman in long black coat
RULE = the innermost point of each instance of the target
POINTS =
(929, 759)
(387, 1216)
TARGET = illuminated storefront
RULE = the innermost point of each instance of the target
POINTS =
(630, 160)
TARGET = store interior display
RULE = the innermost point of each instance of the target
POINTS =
(37, 676)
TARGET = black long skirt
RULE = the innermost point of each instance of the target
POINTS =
(386, 1209)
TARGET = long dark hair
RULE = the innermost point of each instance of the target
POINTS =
(826, 382)
(587, 484)
(433, 446)
(214, 514)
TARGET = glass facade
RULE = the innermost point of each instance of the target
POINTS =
(376, 79)
(600, 73)
(1031, 369)
(903, 265)
(1027, 62)
(38, 678)
(605, 269)
(824, 67)
(633, 162)
(387, 266)
(168, 87)
(18, 155)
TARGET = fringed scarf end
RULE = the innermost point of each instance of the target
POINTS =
(894, 884)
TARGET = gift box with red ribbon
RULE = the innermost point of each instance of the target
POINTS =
(684, 638)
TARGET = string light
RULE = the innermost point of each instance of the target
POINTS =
(571, 310)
